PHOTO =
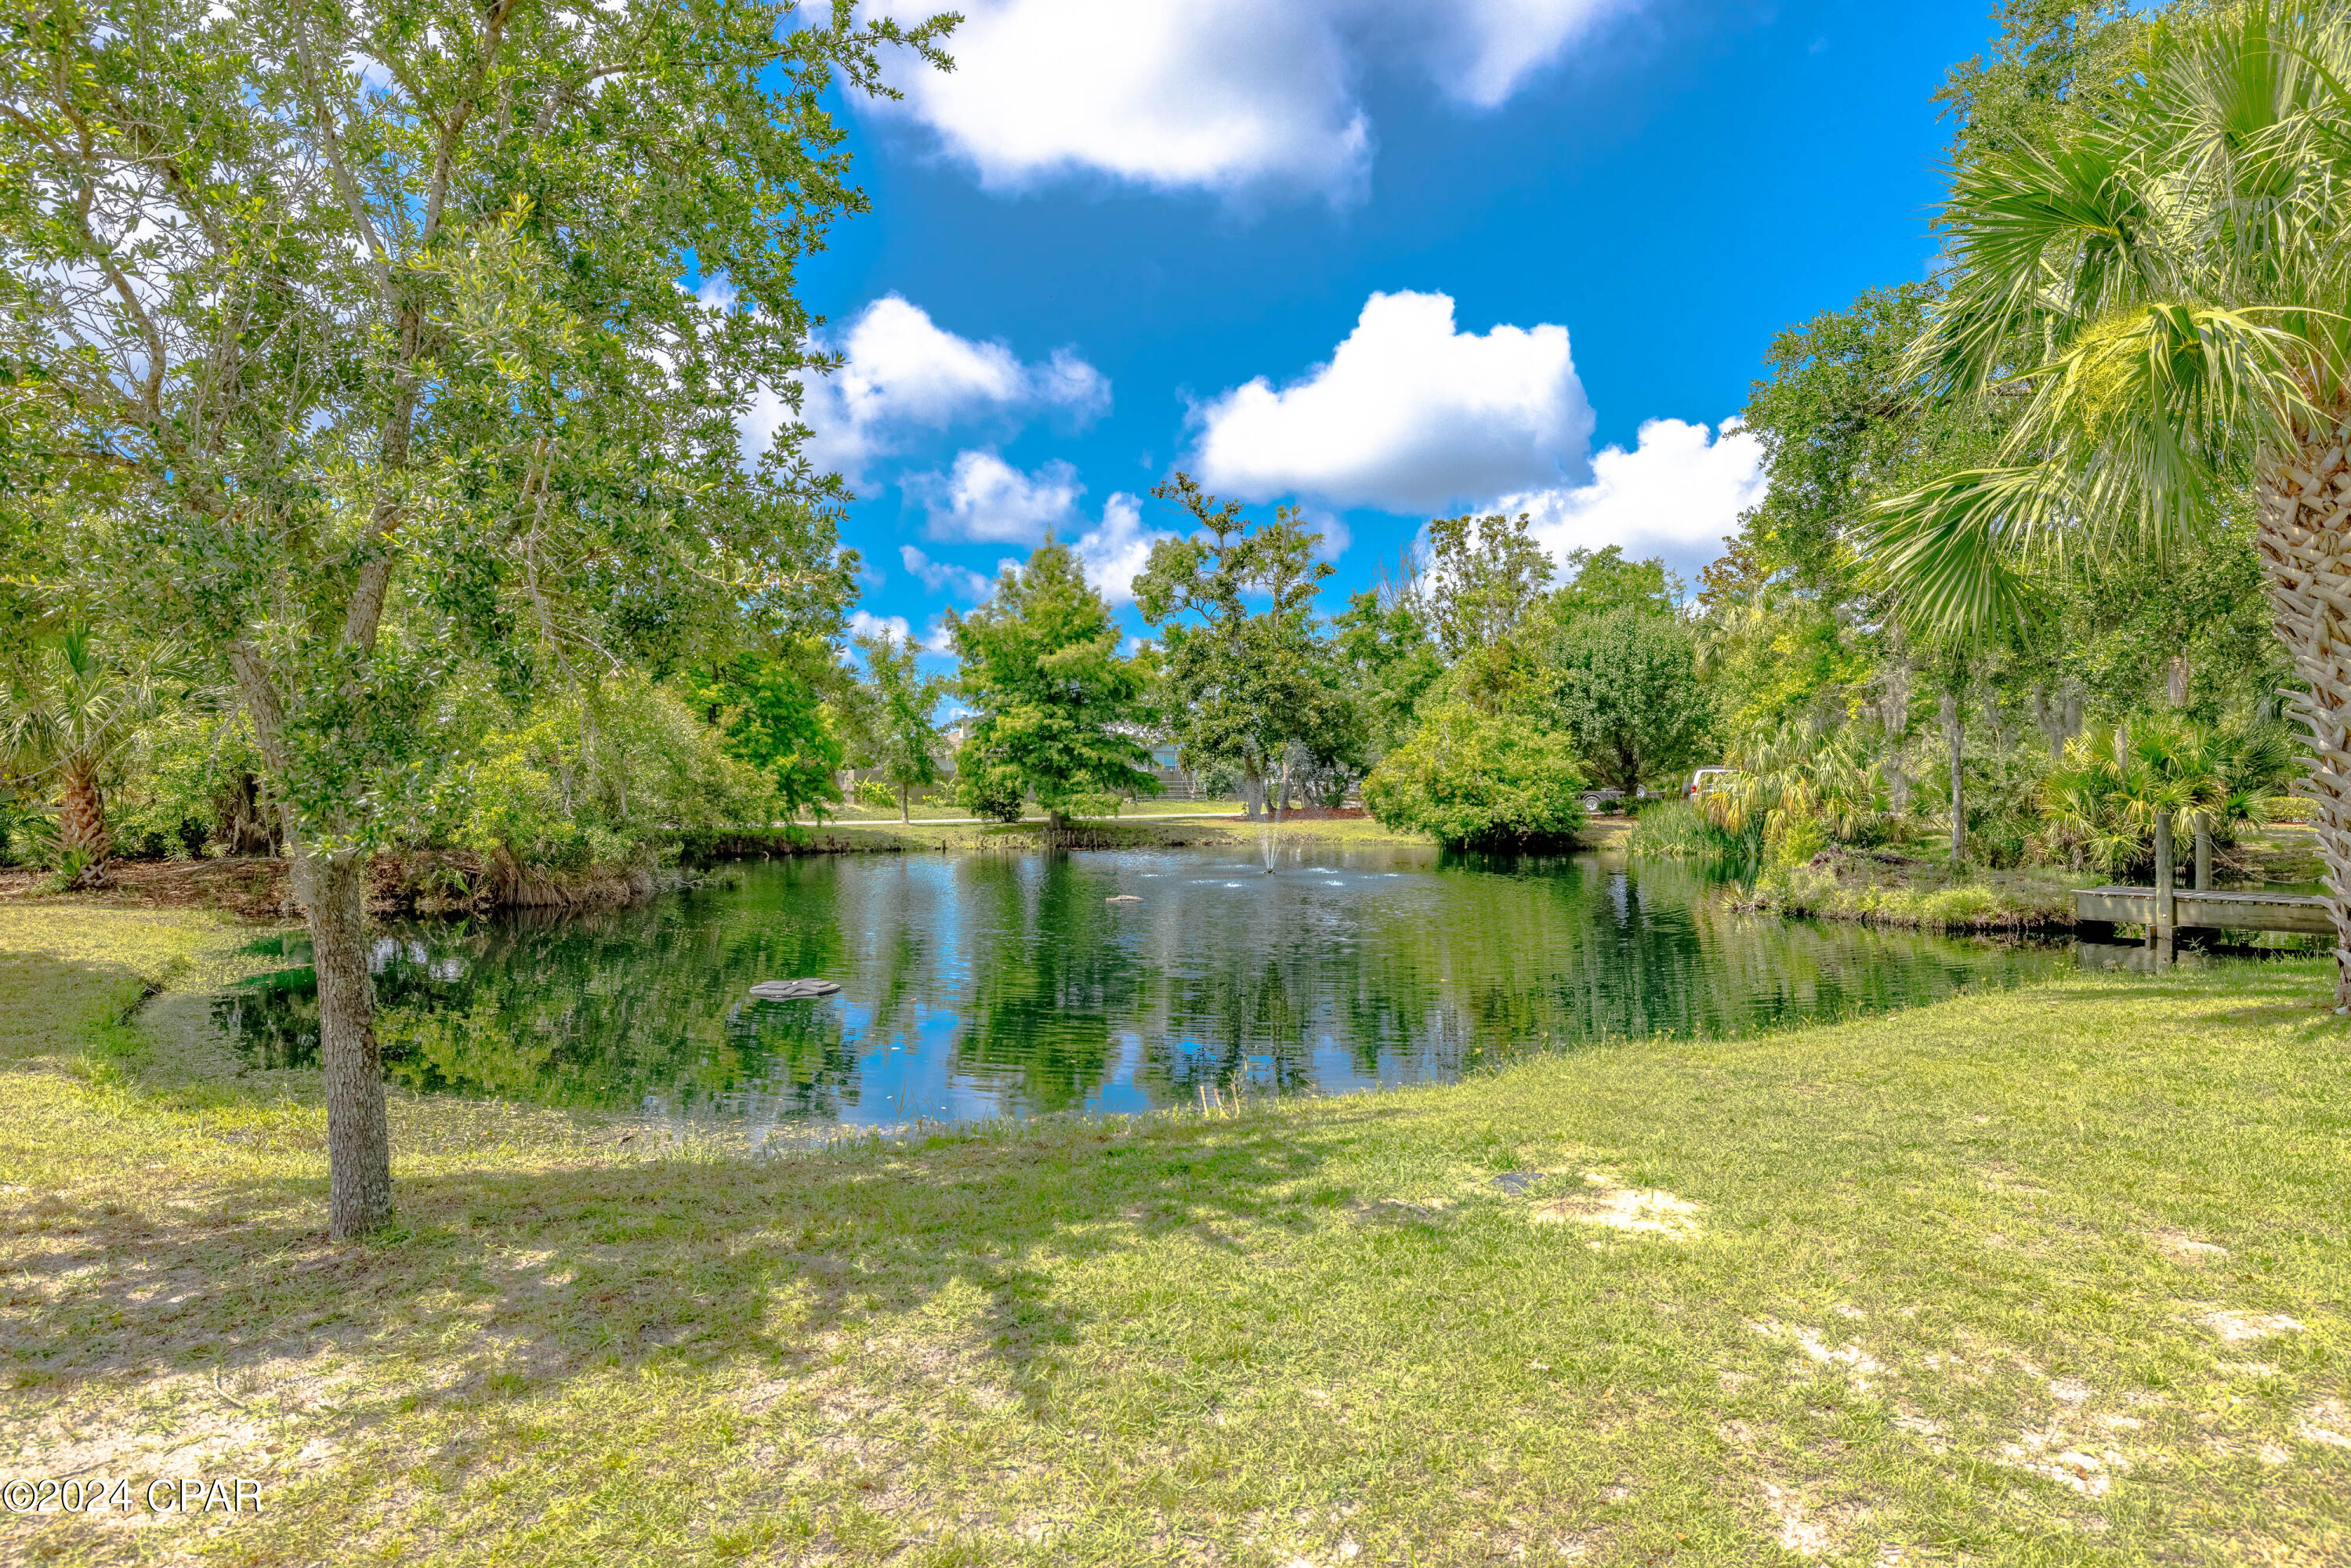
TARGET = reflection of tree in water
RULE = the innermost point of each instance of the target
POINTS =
(272, 1017)
(1010, 984)
(1051, 967)
(1217, 1021)
(590, 1008)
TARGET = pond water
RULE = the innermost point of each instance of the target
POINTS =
(986, 986)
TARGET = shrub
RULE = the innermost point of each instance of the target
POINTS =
(989, 789)
(1678, 829)
(1969, 904)
(180, 778)
(593, 778)
(1471, 781)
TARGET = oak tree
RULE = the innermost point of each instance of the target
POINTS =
(411, 333)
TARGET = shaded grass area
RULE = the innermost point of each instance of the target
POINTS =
(2007, 1280)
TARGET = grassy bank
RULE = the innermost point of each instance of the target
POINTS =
(2054, 1276)
(969, 838)
(1903, 891)
(258, 888)
(1158, 806)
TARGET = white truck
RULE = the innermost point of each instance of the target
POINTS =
(1704, 779)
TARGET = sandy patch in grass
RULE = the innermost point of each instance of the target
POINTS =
(1804, 1537)
(1621, 1208)
(1857, 1364)
(2050, 1454)
(1930, 1432)
(2328, 1422)
(2181, 1247)
(1801, 1529)
(957, 1363)
(2070, 1390)
(2237, 1328)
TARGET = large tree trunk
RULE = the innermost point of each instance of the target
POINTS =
(246, 826)
(2201, 827)
(2306, 547)
(332, 891)
(2050, 716)
(2159, 930)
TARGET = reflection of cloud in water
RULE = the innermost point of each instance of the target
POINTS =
(984, 986)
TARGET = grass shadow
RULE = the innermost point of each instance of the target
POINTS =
(625, 1263)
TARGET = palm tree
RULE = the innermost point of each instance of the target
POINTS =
(2254, 765)
(1786, 781)
(2162, 290)
(71, 710)
(2111, 787)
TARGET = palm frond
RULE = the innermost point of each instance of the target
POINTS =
(2170, 284)
(1950, 551)
(2038, 233)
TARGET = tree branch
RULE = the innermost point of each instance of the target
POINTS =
(339, 169)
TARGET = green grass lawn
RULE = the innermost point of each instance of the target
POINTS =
(2053, 1276)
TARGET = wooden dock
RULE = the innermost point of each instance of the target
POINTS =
(2098, 910)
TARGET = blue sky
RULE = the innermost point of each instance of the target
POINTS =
(1387, 259)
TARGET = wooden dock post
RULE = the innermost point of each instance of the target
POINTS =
(2160, 932)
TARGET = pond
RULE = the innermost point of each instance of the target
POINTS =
(992, 985)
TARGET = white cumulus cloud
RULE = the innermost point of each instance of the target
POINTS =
(1336, 535)
(1676, 493)
(945, 577)
(1116, 548)
(1484, 50)
(1211, 93)
(1409, 416)
(903, 375)
(866, 624)
(984, 498)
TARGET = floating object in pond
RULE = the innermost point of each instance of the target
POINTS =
(793, 991)
(1124, 898)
